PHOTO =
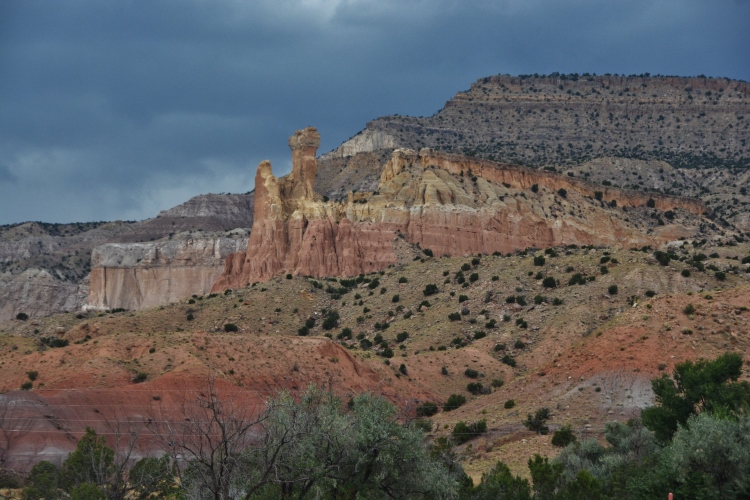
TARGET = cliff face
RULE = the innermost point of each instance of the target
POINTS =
(141, 275)
(451, 204)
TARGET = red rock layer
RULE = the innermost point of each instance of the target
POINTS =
(422, 198)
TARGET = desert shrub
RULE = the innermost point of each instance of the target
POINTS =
(685, 273)
(509, 404)
(535, 188)
(491, 324)
(462, 298)
(746, 260)
(612, 290)
(387, 352)
(549, 282)
(605, 259)
(346, 333)
(427, 409)
(454, 401)
(521, 300)
(403, 279)
(479, 334)
(519, 344)
(365, 344)
(508, 360)
(474, 388)
(511, 299)
(428, 252)
(689, 309)
(140, 377)
(22, 316)
(604, 270)
(33, 375)
(562, 192)
(331, 320)
(400, 337)
(577, 279)
(190, 317)
(471, 373)
(454, 316)
(539, 260)
(474, 277)
(506, 318)
(464, 432)
(563, 437)
(54, 342)
(650, 293)
(373, 284)
(302, 331)
(497, 383)
(557, 301)
(663, 258)
(231, 327)
(402, 369)
(27, 386)
(430, 289)
(537, 423)
(720, 275)
(395, 298)
(443, 370)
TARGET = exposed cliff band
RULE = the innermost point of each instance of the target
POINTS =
(451, 204)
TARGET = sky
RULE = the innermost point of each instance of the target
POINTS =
(117, 109)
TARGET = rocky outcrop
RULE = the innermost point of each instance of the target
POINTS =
(364, 142)
(142, 275)
(37, 292)
(451, 204)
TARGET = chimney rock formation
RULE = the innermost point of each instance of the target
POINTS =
(451, 204)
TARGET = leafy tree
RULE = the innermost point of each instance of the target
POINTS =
(92, 462)
(717, 451)
(42, 482)
(501, 483)
(696, 387)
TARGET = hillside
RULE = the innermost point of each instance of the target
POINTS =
(580, 349)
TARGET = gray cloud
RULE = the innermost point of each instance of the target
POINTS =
(121, 109)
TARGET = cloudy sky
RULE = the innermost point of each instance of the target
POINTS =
(116, 109)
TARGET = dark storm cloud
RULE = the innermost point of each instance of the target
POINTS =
(120, 109)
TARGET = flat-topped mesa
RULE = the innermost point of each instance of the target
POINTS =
(453, 205)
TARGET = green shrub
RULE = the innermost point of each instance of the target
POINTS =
(471, 373)
(54, 342)
(400, 337)
(650, 293)
(474, 277)
(454, 316)
(140, 377)
(511, 299)
(428, 252)
(539, 260)
(549, 282)
(302, 331)
(685, 273)
(331, 320)
(612, 290)
(509, 404)
(190, 317)
(33, 375)
(537, 423)
(508, 360)
(491, 324)
(498, 383)
(519, 344)
(689, 309)
(521, 300)
(402, 369)
(454, 401)
(395, 298)
(720, 275)
(563, 437)
(430, 289)
(463, 432)
(557, 301)
(562, 192)
(365, 344)
(22, 316)
(346, 333)
(231, 327)
(27, 386)
(577, 279)
(479, 334)
(403, 279)
(387, 353)
(462, 298)
(474, 388)
(604, 270)
(288, 276)
(427, 409)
